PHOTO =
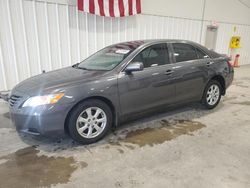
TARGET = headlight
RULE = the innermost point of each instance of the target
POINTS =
(42, 100)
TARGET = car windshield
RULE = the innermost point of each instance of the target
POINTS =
(106, 59)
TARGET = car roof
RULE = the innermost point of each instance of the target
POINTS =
(131, 45)
(165, 40)
(136, 43)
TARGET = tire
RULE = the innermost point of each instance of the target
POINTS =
(82, 121)
(211, 98)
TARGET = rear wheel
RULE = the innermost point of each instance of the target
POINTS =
(90, 121)
(212, 94)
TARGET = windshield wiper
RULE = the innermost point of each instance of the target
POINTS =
(83, 68)
(77, 66)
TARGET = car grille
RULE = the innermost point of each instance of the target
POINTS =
(14, 99)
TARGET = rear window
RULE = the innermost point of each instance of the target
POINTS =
(215, 54)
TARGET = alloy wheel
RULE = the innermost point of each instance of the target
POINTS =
(213, 94)
(91, 122)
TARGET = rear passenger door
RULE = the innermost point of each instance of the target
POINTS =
(190, 71)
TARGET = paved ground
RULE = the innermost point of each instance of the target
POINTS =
(187, 147)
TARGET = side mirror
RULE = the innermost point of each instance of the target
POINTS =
(137, 66)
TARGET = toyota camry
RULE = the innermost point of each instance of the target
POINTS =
(116, 83)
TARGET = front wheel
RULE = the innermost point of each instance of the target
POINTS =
(89, 121)
(212, 94)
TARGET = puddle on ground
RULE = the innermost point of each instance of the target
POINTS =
(25, 168)
(120, 150)
(247, 103)
(242, 86)
(245, 78)
(167, 131)
(237, 82)
(226, 98)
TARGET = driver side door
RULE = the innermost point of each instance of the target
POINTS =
(153, 86)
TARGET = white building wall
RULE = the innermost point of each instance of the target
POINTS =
(229, 11)
(191, 9)
(40, 35)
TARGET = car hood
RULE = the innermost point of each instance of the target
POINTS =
(57, 79)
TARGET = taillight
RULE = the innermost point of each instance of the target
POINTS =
(230, 64)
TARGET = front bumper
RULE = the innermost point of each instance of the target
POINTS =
(47, 120)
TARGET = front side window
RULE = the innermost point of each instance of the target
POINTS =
(184, 52)
(154, 55)
(106, 59)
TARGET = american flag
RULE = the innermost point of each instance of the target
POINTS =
(110, 8)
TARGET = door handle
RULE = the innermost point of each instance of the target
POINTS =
(210, 63)
(169, 72)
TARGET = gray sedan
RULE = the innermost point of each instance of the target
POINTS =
(117, 83)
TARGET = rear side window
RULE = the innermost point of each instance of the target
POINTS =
(154, 55)
(200, 54)
(184, 52)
